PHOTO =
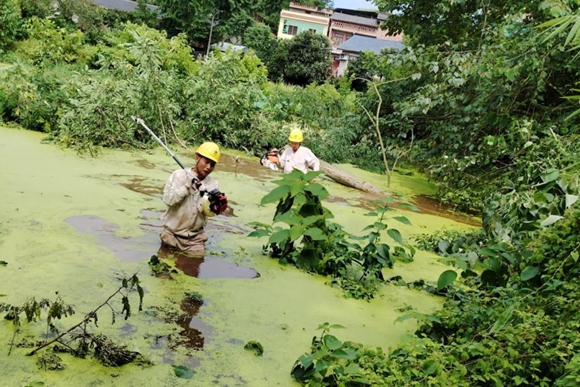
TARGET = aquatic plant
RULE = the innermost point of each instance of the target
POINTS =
(352, 262)
(77, 340)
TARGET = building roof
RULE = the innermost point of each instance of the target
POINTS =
(359, 43)
(224, 46)
(365, 21)
(122, 5)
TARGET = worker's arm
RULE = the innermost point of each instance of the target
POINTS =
(313, 162)
(177, 188)
(282, 159)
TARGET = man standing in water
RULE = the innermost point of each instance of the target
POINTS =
(191, 197)
(297, 156)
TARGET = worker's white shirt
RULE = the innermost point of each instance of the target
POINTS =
(302, 159)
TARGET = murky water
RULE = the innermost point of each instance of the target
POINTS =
(75, 224)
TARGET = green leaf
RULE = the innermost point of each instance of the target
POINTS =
(446, 278)
(276, 194)
(429, 367)
(312, 175)
(311, 219)
(380, 226)
(403, 219)
(183, 372)
(404, 318)
(279, 236)
(317, 190)
(550, 220)
(529, 272)
(306, 360)
(296, 232)
(571, 199)
(550, 175)
(351, 369)
(396, 235)
(258, 233)
(503, 319)
(297, 187)
(331, 342)
(315, 233)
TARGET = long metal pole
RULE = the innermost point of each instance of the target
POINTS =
(142, 123)
(210, 32)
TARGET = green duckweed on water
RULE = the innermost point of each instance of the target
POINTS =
(76, 224)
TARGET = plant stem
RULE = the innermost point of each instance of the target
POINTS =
(85, 320)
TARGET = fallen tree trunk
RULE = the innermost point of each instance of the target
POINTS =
(344, 178)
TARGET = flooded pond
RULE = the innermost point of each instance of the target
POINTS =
(75, 225)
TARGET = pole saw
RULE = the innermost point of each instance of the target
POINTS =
(142, 123)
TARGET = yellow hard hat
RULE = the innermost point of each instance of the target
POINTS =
(209, 150)
(295, 135)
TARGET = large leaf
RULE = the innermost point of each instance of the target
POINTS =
(311, 175)
(550, 220)
(346, 353)
(403, 219)
(503, 319)
(571, 199)
(317, 190)
(331, 342)
(276, 194)
(296, 187)
(315, 233)
(279, 236)
(429, 367)
(258, 233)
(529, 272)
(296, 232)
(550, 175)
(395, 234)
(446, 278)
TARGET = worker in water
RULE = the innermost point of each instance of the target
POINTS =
(192, 196)
(297, 156)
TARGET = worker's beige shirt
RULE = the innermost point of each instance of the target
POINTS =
(302, 159)
(184, 216)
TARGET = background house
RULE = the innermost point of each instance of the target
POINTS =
(351, 49)
(361, 29)
(299, 18)
(122, 5)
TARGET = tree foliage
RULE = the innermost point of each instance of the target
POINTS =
(10, 15)
(466, 22)
(302, 60)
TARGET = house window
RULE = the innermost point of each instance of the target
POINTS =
(292, 30)
(337, 39)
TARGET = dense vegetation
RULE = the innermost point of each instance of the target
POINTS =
(481, 100)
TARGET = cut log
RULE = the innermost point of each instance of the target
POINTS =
(344, 178)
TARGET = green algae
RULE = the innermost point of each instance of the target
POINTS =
(44, 186)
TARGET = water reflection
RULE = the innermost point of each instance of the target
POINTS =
(138, 248)
(205, 266)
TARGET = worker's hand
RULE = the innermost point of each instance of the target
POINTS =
(218, 202)
(195, 184)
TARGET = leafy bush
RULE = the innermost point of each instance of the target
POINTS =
(354, 263)
(9, 17)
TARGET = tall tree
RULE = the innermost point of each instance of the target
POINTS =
(259, 38)
(308, 59)
(194, 18)
(463, 21)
